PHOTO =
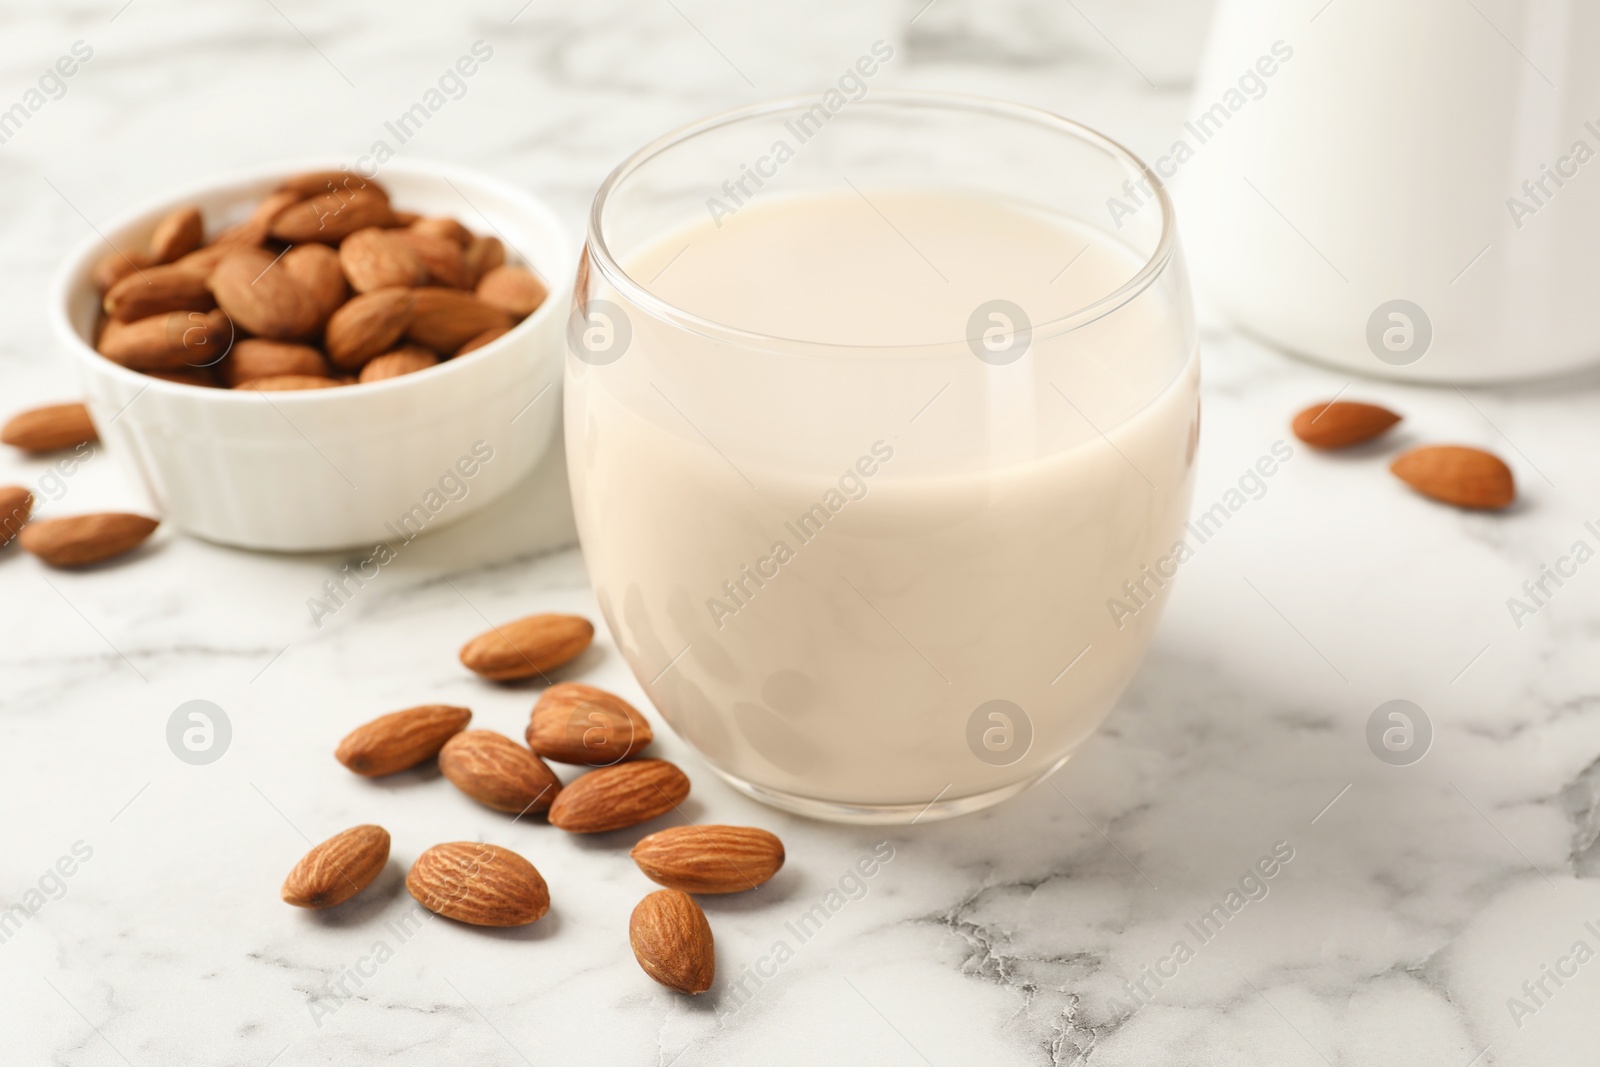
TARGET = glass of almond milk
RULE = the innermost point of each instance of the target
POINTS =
(881, 440)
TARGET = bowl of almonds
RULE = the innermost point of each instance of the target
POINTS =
(304, 357)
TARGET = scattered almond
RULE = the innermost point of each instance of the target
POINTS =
(619, 796)
(482, 339)
(368, 325)
(407, 359)
(82, 539)
(1342, 423)
(479, 884)
(1454, 474)
(255, 358)
(48, 428)
(672, 941)
(155, 290)
(574, 723)
(498, 773)
(177, 235)
(400, 740)
(528, 646)
(289, 383)
(709, 859)
(375, 258)
(16, 504)
(514, 290)
(338, 869)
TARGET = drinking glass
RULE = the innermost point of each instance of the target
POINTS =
(868, 573)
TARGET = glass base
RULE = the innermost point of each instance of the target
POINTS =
(941, 807)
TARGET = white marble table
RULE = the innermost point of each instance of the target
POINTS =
(1418, 899)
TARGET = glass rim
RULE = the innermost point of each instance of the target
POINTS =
(598, 253)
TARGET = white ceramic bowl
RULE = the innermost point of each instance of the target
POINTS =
(346, 467)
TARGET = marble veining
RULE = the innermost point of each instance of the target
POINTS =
(1418, 922)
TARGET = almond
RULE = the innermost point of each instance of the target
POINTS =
(202, 261)
(16, 504)
(317, 182)
(479, 884)
(255, 292)
(482, 339)
(441, 257)
(401, 739)
(115, 265)
(255, 358)
(483, 255)
(369, 324)
(528, 646)
(1465, 477)
(672, 941)
(178, 340)
(443, 226)
(446, 319)
(498, 773)
(612, 798)
(331, 217)
(254, 230)
(709, 859)
(49, 428)
(406, 218)
(289, 383)
(376, 259)
(514, 290)
(155, 290)
(1342, 423)
(81, 539)
(316, 268)
(180, 233)
(405, 360)
(339, 868)
(575, 723)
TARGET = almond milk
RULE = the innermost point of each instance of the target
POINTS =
(826, 558)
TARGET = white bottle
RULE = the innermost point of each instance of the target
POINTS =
(1408, 189)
